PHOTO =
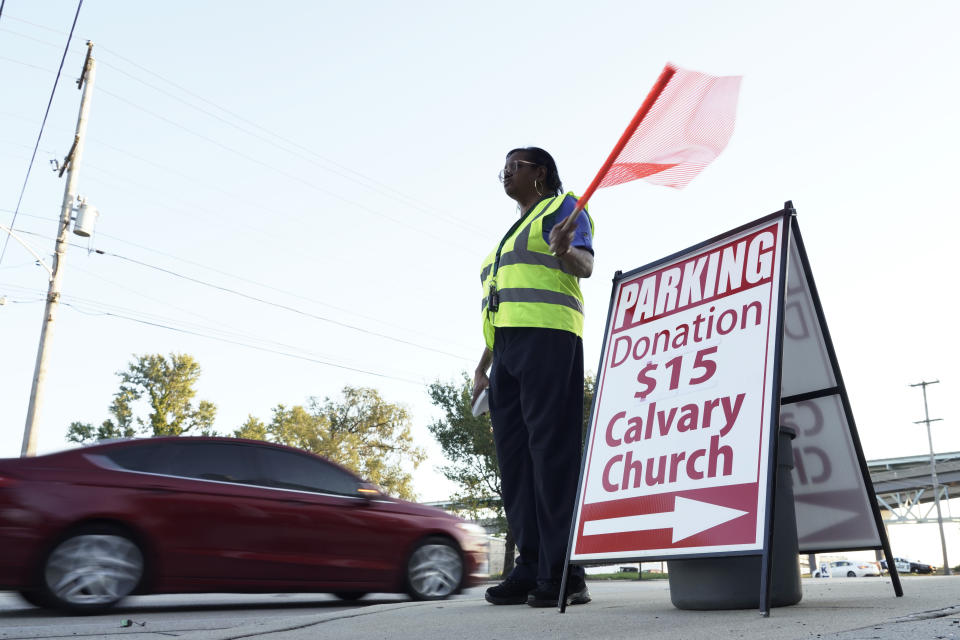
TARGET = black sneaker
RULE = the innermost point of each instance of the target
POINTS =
(547, 594)
(510, 591)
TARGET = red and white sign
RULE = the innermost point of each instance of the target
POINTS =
(677, 459)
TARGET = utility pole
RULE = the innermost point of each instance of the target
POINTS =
(70, 164)
(933, 472)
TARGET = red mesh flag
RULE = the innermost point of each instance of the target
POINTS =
(685, 122)
(688, 126)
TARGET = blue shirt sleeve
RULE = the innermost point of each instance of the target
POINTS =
(583, 238)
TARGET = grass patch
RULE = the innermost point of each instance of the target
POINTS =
(627, 575)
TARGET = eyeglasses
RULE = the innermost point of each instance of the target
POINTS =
(511, 168)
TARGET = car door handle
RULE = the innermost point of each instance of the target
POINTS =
(158, 487)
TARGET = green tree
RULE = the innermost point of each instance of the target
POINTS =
(361, 431)
(84, 432)
(253, 429)
(467, 442)
(166, 386)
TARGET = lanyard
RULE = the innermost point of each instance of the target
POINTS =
(493, 302)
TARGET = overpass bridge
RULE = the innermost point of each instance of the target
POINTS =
(904, 487)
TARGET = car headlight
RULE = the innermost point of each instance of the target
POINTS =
(473, 529)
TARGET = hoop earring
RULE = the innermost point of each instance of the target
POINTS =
(536, 187)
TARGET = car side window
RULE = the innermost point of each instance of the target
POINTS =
(149, 457)
(222, 462)
(292, 470)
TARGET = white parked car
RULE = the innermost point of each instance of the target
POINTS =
(847, 569)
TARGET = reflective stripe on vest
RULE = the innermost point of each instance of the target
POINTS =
(537, 295)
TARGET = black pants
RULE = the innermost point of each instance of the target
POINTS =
(536, 405)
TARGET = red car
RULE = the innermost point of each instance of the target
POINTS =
(82, 529)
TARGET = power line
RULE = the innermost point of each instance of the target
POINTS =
(33, 39)
(34, 294)
(293, 143)
(448, 244)
(96, 308)
(53, 92)
(141, 294)
(25, 64)
(257, 283)
(224, 273)
(11, 301)
(299, 151)
(365, 181)
(283, 172)
(234, 291)
(191, 209)
(35, 24)
(311, 156)
(248, 346)
(28, 215)
(418, 260)
(283, 306)
(18, 266)
(218, 330)
(264, 301)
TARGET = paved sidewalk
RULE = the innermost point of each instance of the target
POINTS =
(831, 609)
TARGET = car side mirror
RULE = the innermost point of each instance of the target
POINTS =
(368, 491)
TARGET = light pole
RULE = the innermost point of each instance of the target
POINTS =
(933, 472)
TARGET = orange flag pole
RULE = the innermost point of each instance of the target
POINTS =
(655, 92)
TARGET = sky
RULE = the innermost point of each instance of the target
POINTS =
(299, 195)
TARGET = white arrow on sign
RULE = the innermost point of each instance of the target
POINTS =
(688, 517)
(812, 518)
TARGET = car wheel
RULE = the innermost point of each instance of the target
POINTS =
(851, 574)
(350, 596)
(92, 570)
(434, 570)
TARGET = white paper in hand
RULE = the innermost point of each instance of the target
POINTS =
(482, 405)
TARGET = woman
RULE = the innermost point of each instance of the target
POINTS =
(532, 325)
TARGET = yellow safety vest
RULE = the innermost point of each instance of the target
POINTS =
(527, 283)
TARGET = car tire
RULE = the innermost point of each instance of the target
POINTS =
(434, 570)
(35, 598)
(350, 596)
(91, 570)
(851, 574)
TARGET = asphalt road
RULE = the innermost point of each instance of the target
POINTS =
(831, 609)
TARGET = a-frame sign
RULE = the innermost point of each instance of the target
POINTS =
(706, 353)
